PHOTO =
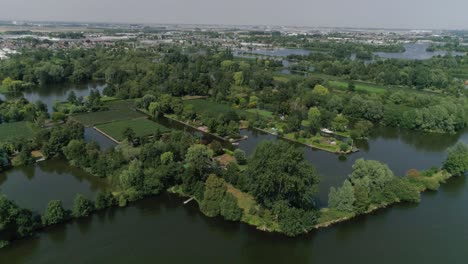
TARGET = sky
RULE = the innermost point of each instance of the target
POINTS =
(413, 14)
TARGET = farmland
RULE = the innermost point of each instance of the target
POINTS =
(142, 127)
(95, 118)
(212, 109)
(16, 130)
(361, 87)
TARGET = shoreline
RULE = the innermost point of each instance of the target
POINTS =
(304, 144)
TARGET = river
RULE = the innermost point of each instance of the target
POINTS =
(161, 229)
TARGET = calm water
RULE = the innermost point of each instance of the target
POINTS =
(162, 229)
(281, 52)
(104, 142)
(34, 186)
(401, 150)
(49, 94)
(416, 51)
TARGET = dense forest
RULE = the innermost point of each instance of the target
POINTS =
(255, 83)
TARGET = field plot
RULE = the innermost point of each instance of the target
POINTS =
(362, 87)
(120, 104)
(213, 109)
(16, 130)
(142, 127)
(118, 114)
(262, 113)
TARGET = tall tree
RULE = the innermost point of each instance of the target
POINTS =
(279, 171)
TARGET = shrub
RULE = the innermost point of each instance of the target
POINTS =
(239, 155)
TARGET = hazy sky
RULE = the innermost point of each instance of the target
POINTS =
(352, 13)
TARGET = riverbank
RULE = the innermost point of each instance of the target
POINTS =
(331, 216)
(328, 216)
(313, 146)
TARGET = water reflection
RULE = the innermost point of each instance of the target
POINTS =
(49, 94)
(416, 51)
(34, 186)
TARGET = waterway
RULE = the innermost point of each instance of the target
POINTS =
(91, 134)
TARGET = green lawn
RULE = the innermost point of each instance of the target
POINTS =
(263, 113)
(3, 89)
(142, 127)
(206, 107)
(361, 87)
(118, 114)
(16, 130)
(119, 104)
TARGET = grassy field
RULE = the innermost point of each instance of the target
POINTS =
(142, 127)
(262, 113)
(118, 114)
(119, 104)
(248, 204)
(210, 108)
(3, 89)
(16, 130)
(361, 87)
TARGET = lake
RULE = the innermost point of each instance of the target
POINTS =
(416, 51)
(49, 94)
(34, 186)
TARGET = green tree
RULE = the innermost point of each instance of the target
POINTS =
(133, 176)
(129, 134)
(240, 157)
(217, 148)
(351, 87)
(72, 99)
(15, 222)
(294, 221)
(457, 160)
(215, 189)
(104, 199)
(279, 171)
(314, 118)
(340, 123)
(82, 206)
(54, 213)
(230, 210)
(199, 159)
(377, 176)
(167, 158)
(362, 129)
(342, 198)
(238, 78)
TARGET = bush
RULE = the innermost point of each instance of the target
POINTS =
(230, 209)
(82, 207)
(54, 213)
(239, 154)
(104, 200)
(344, 147)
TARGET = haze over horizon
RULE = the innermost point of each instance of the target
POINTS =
(411, 14)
